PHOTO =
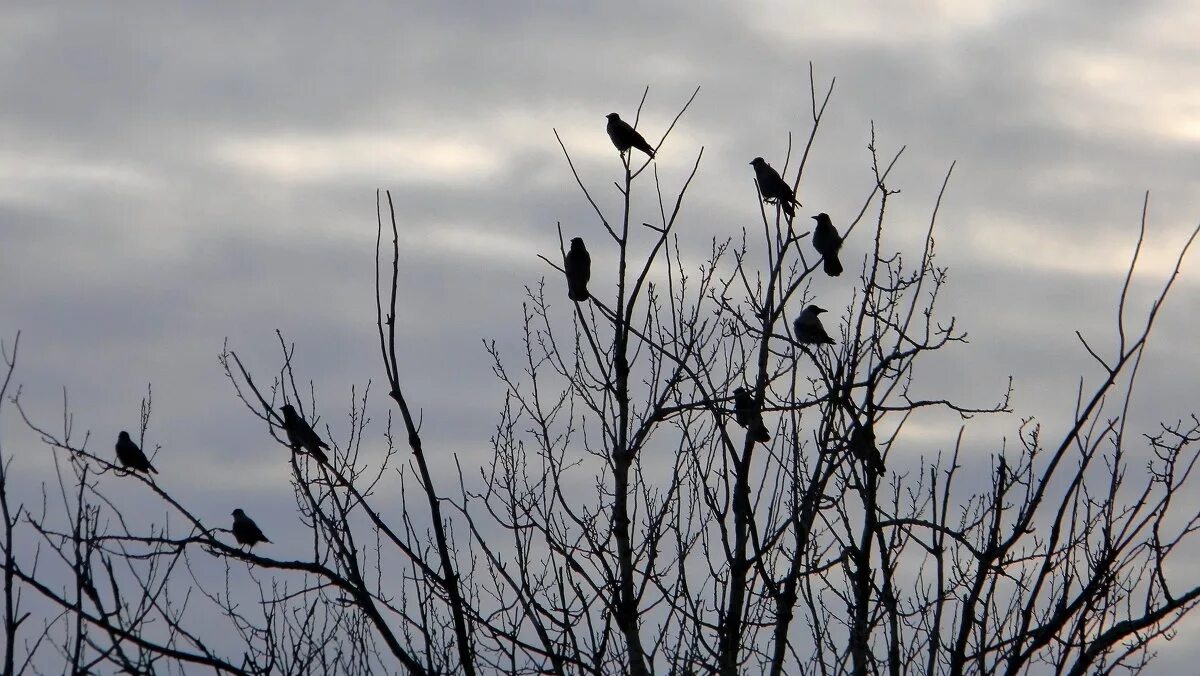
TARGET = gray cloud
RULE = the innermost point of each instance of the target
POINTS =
(172, 176)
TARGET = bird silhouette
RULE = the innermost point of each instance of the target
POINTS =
(578, 265)
(245, 531)
(746, 412)
(827, 242)
(808, 327)
(299, 434)
(625, 137)
(862, 446)
(131, 456)
(773, 188)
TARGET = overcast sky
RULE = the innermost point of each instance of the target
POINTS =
(174, 176)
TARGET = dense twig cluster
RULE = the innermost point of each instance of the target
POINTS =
(692, 473)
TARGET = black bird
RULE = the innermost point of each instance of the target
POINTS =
(625, 137)
(131, 456)
(827, 242)
(773, 187)
(748, 416)
(578, 265)
(300, 434)
(862, 446)
(245, 531)
(809, 329)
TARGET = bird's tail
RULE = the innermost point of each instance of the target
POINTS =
(833, 267)
(877, 465)
(151, 467)
(789, 207)
(578, 294)
(760, 433)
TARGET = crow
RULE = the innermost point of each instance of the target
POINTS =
(827, 242)
(625, 137)
(809, 329)
(748, 416)
(245, 531)
(578, 265)
(773, 187)
(862, 446)
(131, 456)
(300, 434)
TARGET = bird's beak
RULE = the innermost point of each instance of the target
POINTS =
(813, 217)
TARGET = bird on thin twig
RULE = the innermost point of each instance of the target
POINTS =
(808, 327)
(245, 531)
(131, 456)
(625, 137)
(773, 188)
(578, 266)
(862, 446)
(827, 242)
(299, 434)
(748, 416)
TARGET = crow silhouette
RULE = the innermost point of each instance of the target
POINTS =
(862, 446)
(578, 265)
(625, 137)
(773, 188)
(827, 242)
(808, 327)
(245, 531)
(131, 456)
(748, 416)
(299, 434)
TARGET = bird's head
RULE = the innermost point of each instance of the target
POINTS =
(287, 409)
(814, 309)
(238, 513)
(821, 217)
(758, 161)
(576, 242)
(123, 436)
(739, 391)
(613, 116)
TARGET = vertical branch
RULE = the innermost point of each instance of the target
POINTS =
(11, 600)
(626, 602)
(449, 574)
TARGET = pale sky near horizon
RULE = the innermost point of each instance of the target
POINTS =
(175, 176)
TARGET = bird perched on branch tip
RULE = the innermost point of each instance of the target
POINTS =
(827, 242)
(300, 434)
(578, 266)
(748, 416)
(808, 327)
(245, 531)
(773, 188)
(625, 137)
(131, 456)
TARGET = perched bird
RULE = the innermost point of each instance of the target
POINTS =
(827, 242)
(862, 447)
(300, 434)
(748, 416)
(578, 265)
(245, 531)
(131, 456)
(625, 137)
(773, 187)
(808, 327)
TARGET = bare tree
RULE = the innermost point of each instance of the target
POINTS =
(637, 516)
